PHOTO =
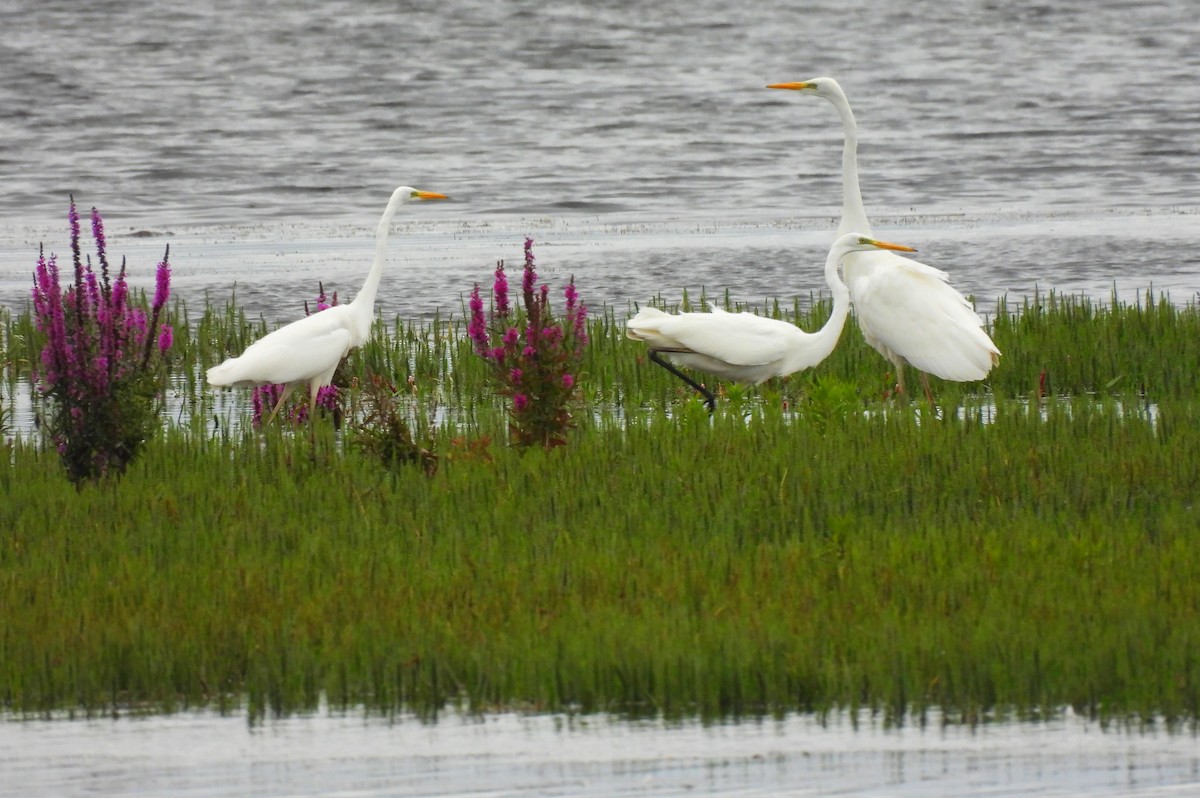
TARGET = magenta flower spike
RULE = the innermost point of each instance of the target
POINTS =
(477, 327)
(529, 277)
(500, 291)
(166, 337)
(99, 396)
(101, 245)
(162, 282)
(532, 357)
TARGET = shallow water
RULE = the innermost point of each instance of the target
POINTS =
(202, 754)
(1018, 146)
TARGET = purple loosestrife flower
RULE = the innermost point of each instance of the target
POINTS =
(259, 397)
(162, 283)
(73, 221)
(572, 296)
(101, 402)
(477, 327)
(162, 290)
(93, 289)
(581, 336)
(529, 278)
(500, 291)
(534, 363)
(166, 337)
(327, 397)
(101, 245)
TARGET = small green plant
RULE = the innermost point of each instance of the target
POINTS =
(103, 363)
(384, 431)
(534, 359)
(828, 399)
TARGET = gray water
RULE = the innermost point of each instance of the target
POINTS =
(1021, 146)
(202, 754)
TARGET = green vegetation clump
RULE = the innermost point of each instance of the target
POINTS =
(1027, 545)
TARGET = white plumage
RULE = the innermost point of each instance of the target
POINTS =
(308, 350)
(744, 347)
(907, 311)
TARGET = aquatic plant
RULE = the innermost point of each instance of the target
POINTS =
(533, 358)
(384, 430)
(103, 363)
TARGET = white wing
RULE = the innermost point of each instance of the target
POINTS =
(740, 339)
(299, 351)
(909, 309)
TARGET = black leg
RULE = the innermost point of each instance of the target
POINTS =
(709, 399)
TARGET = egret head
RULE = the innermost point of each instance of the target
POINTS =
(409, 194)
(822, 87)
(857, 242)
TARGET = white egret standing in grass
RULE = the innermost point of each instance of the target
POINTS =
(907, 311)
(308, 350)
(745, 347)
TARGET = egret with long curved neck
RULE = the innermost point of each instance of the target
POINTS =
(907, 311)
(745, 347)
(308, 350)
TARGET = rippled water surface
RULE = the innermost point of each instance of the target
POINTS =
(511, 755)
(1018, 145)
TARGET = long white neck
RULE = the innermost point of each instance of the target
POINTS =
(366, 296)
(854, 215)
(820, 344)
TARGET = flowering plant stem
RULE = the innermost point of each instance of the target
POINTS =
(534, 359)
(104, 359)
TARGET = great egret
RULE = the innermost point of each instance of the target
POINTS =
(744, 347)
(308, 350)
(907, 311)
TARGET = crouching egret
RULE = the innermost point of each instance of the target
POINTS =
(907, 311)
(308, 350)
(745, 347)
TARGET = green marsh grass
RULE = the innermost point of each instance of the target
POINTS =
(809, 547)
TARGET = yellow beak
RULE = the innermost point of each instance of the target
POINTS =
(797, 86)
(897, 247)
(429, 195)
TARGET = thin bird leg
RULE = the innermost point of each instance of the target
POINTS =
(709, 399)
(900, 391)
(925, 383)
(287, 389)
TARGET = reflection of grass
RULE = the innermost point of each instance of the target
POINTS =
(662, 562)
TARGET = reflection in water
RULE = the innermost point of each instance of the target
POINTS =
(202, 754)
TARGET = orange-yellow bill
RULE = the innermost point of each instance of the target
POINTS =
(796, 86)
(887, 245)
(429, 195)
